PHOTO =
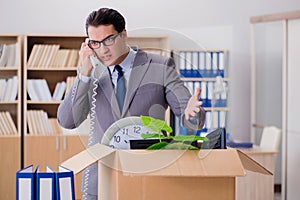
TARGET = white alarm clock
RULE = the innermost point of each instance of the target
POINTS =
(119, 134)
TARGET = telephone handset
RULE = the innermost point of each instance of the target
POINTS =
(97, 71)
(98, 67)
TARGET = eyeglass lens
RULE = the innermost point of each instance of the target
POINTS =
(107, 42)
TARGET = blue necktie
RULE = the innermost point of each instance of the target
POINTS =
(120, 93)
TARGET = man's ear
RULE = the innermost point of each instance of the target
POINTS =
(124, 34)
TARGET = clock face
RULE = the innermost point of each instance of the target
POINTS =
(119, 133)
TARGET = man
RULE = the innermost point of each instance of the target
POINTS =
(151, 85)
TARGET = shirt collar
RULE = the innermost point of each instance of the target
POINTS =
(127, 63)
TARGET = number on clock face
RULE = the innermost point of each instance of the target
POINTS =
(121, 138)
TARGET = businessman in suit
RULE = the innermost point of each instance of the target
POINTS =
(152, 83)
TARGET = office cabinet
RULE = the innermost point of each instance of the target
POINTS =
(53, 150)
(42, 146)
(10, 113)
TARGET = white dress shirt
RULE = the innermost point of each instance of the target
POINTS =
(126, 65)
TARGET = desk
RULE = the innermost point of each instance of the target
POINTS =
(253, 185)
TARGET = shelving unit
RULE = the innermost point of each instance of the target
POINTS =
(52, 75)
(155, 44)
(54, 148)
(200, 68)
(10, 142)
(51, 149)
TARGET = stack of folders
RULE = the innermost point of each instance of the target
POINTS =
(200, 63)
(33, 184)
(207, 92)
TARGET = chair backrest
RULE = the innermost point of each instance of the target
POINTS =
(270, 138)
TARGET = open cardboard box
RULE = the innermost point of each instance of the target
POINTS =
(165, 174)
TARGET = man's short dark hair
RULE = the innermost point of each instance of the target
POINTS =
(105, 16)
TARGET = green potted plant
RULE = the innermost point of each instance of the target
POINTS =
(167, 141)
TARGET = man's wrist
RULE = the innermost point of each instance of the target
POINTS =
(84, 78)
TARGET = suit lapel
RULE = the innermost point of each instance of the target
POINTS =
(139, 69)
(108, 90)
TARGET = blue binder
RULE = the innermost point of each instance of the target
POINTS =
(50, 185)
(45, 184)
(25, 183)
(65, 184)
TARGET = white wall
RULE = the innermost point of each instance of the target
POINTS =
(210, 23)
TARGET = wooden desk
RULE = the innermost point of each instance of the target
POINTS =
(257, 186)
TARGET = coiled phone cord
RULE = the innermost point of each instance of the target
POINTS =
(91, 134)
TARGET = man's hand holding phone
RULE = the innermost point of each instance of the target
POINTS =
(84, 54)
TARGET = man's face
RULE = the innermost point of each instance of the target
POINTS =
(113, 54)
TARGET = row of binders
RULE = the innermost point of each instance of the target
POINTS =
(8, 55)
(9, 88)
(51, 56)
(38, 89)
(7, 125)
(214, 120)
(212, 94)
(39, 123)
(205, 64)
(32, 184)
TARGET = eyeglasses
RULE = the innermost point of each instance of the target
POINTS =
(94, 44)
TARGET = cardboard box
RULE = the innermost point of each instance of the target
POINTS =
(165, 174)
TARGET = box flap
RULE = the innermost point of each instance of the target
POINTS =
(252, 165)
(87, 157)
(213, 163)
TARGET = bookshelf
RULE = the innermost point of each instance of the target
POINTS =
(10, 113)
(154, 44)
(41, 46)
(50, 59)
(58, 60)
(51, 148)
(207, 69)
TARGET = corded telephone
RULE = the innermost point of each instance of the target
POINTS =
(97, 71)
(98, 67)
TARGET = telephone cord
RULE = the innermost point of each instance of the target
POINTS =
(91, 134)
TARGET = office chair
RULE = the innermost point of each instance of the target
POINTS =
(270, 138)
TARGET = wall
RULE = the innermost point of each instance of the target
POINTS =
(211, 24)
(269, 51)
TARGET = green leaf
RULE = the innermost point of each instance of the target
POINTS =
(181, 141)
(188, 138)
(156, 125)
(152, 135)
